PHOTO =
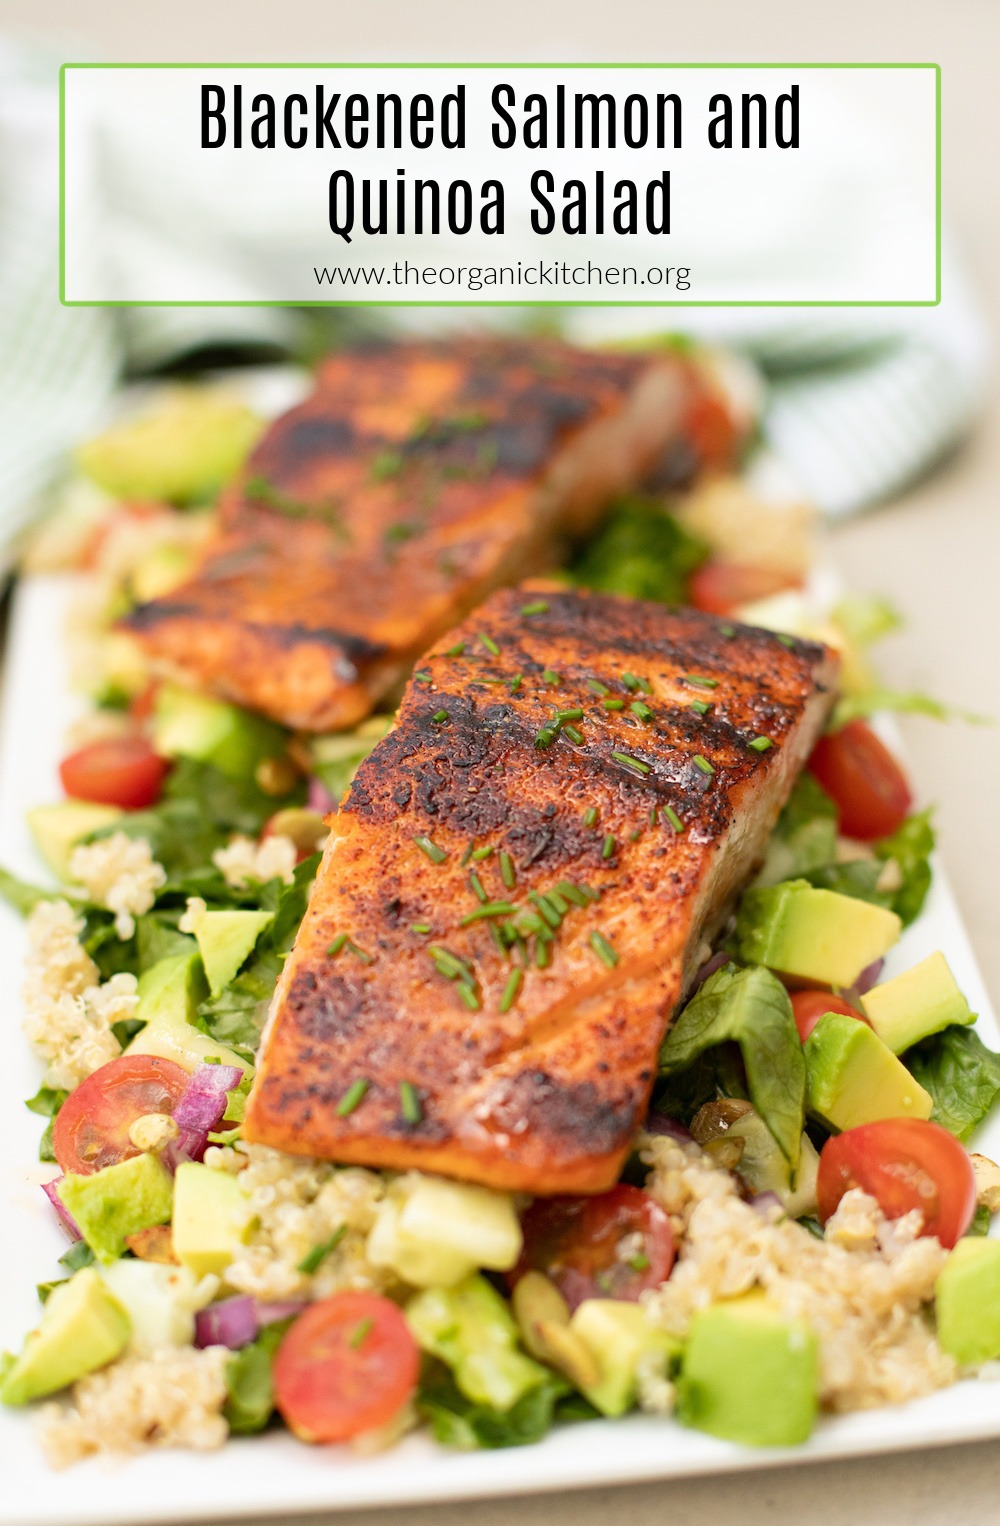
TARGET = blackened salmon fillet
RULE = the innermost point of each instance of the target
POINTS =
(417, 478)
(519, 884)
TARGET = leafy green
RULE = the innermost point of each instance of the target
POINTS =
(22, 895)
(858, 878)
(78, 1255)
(866, 618)
(46, 1289)
(456, 1421)
(878, 700)
(233, 805)
(911, 847)
(157, 938)
(980, 1221)
(47, 1101)
(250, 1404)
(805, 837)
(181, 836)
(717, 1072)
(961, 1074)
(640, 551)
(752, 1008)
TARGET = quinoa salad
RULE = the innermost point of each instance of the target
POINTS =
(801, 1225)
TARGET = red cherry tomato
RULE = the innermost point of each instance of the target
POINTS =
(613, 1246)
(347, 1365)
(121, 771)
(866, 783)
(719, 588)
(809, 1006)
(91, 1128)
(904, 1163)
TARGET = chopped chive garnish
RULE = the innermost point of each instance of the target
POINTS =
(630, 681)
(635, 764)
(635, 835)
(494, 932)
(434, 853)
(639, 1262)
(608, 846)
(575, 714)
(596, 687)
(458, 650)
(641, 709)
(423, 676)
(613, 704)
(591, 893)
(673, 818)
(409, 1102)
(549, 676)
(572, 893)
(447, 963)
(575, 735)
(557, 900)
(510, 990)
(313, 1260)
(489, 909)
(478, 887)
(507, 870)
(468, 994)
(702, 763)
(729, 631)
(652, 816)
(478, 854)
(602, 948)
(543, 956)
(545, 738)
(337, 944)
(421, 927)
(352, 1097)
(362, 1329)
(699, 707)
(439, 716)
(515, 683)
(547, 910)
(785, 640)
(540, 607)
(700, 682)
(467, 854)
(761, 744)
(590, 816)
(489, 644)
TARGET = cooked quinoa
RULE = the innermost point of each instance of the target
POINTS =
(171, 1398)
(243, 860)
(863, 1289)
(121, 874)
(69, 1014)
(300, 1204)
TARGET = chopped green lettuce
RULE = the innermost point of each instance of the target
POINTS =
(250, 1402)
(456, 1421)
(805, 837)
(961, 1074)
(22, 895)
(640, 551)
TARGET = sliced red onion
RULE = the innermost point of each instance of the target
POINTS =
(284, 1308)
(319, 797)
(764, 1203)
(63, 1214)
(662, 1123)
(708, 968)
(868, 977)
(200, 1111)
(232, 1323)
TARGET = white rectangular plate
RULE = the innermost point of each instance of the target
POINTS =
(274, 1474)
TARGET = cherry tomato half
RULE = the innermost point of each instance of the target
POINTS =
(904, 1163)
(121, 771)
(866, 783)
(615, 1245)
(91, 1128)
(347, 1365)
(809, 1006)
(719, 588)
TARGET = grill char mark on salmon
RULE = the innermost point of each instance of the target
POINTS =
(546, 1096)
(416, 479)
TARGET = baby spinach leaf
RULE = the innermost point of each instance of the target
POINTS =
(805, 837)
(911, 846)
(640, 551)
(22, 895)
(250, 1404)
(752, 1008)
(980, 1225)
(457, 1422)
(961, 1074)
(234, 805)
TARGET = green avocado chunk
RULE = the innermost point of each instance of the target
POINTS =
(618, 1335)
(169, 994)
(58, 828)
(226, 939)
(912, 1006)
(211, 1217)
(853, 1078)
(83, 1327)
(749, 1375)
(813, 934)
(470, 1328)
(967, 1302)
(183, 450)
(189, 725)
(118, 1201)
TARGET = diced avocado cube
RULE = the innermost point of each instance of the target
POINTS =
(58, 828)
(749, 1375)
(813, 934)
(471, 1329)
(189, 725)
(967, 1302)
(475, 1222)
(912, 1006)
(226, 939)
(118, 1201)
(83, 1327)
(212, 1217)
(160, 571)
(618, 1335)
(182, 450)
(853, 1078)
(169, 994)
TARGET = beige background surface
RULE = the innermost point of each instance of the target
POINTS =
(936, 552)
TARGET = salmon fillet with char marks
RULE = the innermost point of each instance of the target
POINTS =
(535, 1082)
(416, 479)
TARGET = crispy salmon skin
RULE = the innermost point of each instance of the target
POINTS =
(417, 478)
(519, 883)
